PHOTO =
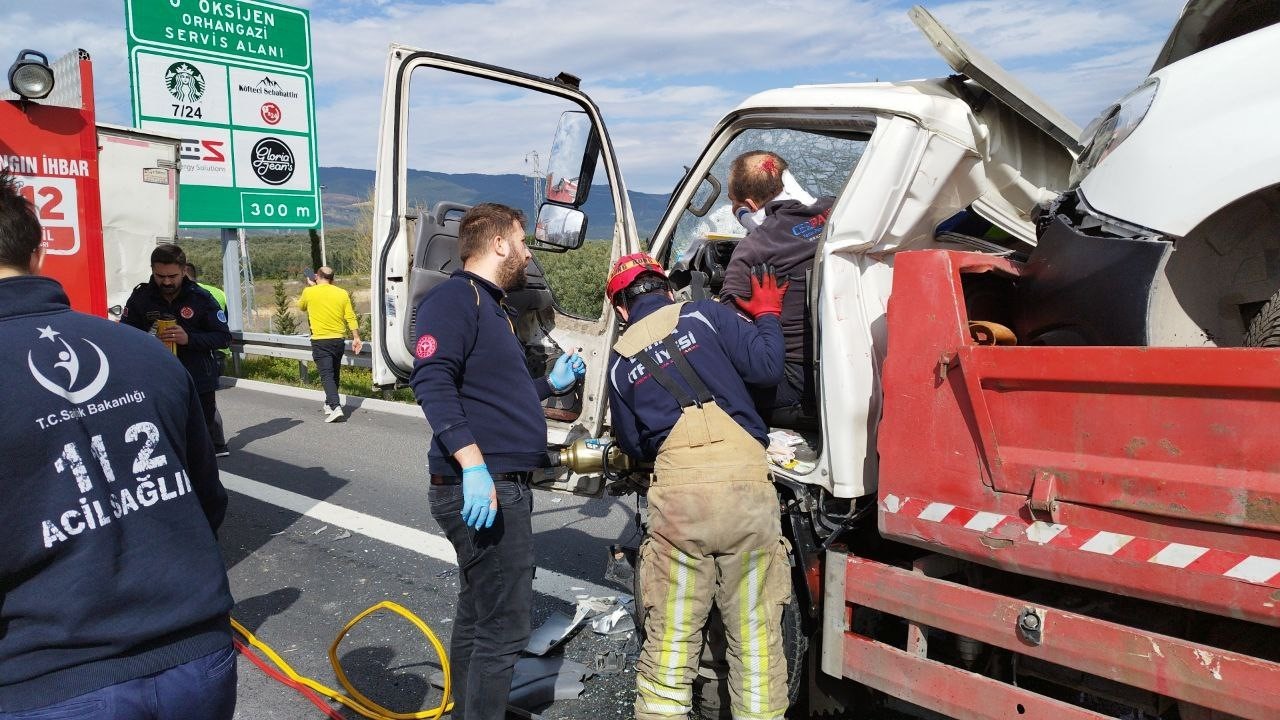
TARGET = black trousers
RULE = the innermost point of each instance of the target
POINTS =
(495, 597)
(212, 419)
(793, 403)
(328, 357)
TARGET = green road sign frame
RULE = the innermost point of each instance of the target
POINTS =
(230, 38)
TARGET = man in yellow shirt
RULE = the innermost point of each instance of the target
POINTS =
(329, 312)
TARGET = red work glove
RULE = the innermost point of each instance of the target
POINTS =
(766, 293)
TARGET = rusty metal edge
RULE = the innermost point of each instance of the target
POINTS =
(948, 690)
(1231, 682)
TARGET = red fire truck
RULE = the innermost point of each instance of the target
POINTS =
(105, 195)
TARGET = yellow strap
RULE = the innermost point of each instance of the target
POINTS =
(354, 699)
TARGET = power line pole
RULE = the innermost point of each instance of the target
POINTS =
(536, 175)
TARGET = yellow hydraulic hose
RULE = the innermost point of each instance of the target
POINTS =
(354, 699)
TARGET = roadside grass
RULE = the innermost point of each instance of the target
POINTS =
(355, 381)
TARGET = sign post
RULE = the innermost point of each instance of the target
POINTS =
(234, 79)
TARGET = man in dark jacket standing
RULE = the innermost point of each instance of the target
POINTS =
(678, 397)
(187, 319)
(488, 435)
(782, 231)
(115, 596)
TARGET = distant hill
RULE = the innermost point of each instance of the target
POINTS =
(345, 187)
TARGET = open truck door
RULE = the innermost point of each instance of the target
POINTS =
(442, 113)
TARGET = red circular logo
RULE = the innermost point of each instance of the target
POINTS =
(270, 113)
(187, 313)
(426, 347)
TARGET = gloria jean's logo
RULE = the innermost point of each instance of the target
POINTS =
(69, 363)
(184, 81)
(272, 161)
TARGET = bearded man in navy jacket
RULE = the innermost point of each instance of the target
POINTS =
(488, 434)
(113, 595)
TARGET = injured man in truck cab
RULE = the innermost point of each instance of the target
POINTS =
(783, 223)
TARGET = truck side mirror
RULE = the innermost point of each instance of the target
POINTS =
(573, 159)
(560, 228)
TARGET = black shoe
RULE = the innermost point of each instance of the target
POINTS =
(222, 451)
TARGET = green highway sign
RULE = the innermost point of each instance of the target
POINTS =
(265, 32)
(233, 79)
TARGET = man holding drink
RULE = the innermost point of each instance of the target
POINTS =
(186, 318)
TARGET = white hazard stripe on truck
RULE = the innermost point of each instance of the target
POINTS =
(1256, 569)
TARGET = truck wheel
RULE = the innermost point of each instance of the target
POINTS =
(711, 684)
(1264, 331)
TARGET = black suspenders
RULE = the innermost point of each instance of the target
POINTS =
(651, 365)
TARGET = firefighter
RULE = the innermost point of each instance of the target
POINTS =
(677, 386)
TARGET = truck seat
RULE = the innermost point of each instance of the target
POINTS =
(436, 257)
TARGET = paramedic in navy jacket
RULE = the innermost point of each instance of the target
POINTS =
(201, 329)
(488, 435)
(115, 598)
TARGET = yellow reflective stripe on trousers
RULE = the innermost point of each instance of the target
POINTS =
(679, 598)
(754, 634)
(659, 699)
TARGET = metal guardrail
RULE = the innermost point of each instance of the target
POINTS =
(293, 347)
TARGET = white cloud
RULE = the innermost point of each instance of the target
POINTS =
(662, 72)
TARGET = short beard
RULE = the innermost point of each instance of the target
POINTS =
(512, 275)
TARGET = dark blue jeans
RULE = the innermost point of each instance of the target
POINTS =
(495, 597)
(328, 357)
(203, 689)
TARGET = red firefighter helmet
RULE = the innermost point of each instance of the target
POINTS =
(627, 269)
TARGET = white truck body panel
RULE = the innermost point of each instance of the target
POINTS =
(138, 180)
(1207, 140)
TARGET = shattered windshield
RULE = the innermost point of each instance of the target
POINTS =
(821, 163)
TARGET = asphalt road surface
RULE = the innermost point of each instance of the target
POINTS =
(325, 520)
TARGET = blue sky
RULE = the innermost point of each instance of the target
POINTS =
(662, 72)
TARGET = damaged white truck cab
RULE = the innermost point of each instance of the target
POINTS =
(1186, 164)
(955, 162)
(958, 162)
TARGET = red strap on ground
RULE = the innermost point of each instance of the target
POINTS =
(284, 680)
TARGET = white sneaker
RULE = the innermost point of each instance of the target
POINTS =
(335, 413)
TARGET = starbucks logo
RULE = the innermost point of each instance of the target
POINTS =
(184, 81)
(272, 161)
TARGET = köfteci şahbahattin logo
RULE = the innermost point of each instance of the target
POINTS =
(184, 82)
(272, 161)
(62, 376)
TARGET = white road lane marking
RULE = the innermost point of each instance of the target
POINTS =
(547, 582)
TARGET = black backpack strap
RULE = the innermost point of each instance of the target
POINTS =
(701, 394)
(687, 372)
(663, 378)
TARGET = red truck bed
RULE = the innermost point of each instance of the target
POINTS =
(1148, 472)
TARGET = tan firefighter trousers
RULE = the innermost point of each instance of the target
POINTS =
(715, 536)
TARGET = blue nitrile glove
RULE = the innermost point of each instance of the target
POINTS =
(567, 370)
(478, 505)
